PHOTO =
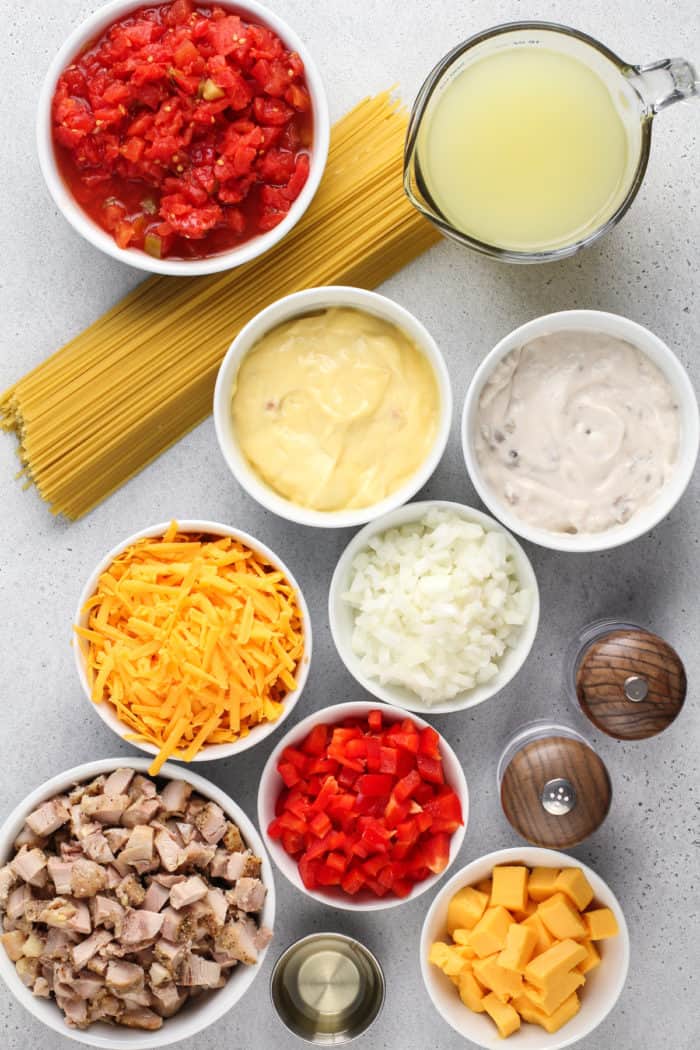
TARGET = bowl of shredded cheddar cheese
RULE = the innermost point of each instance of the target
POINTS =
(192, 641)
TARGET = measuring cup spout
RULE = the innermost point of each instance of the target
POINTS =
(662, 83)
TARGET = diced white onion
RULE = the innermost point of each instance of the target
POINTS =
(436, 605)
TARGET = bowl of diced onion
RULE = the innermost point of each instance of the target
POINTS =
(434, 607)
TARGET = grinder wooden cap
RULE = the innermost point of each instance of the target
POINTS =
(555, 791)
(630, 683)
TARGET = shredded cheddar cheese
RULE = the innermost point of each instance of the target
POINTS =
(193, 639)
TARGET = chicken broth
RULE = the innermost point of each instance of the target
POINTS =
(577, 431)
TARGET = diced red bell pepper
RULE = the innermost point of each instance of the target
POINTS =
(395, 811)
(430, 769)
(446, 812)
(374, 749)
(407, 786)
(329, 787)
(429, 742)
(296, 758)
(337, 860)
(307, 870)
(434, 853)
(289, 773)
(374, 720)
(327, 876)
(292, 842)
(352, 881)
(320, 825)
(375, 784)
(316, 742)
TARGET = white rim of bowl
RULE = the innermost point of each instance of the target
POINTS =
(298, 304)
(413, 512)
(290, 869)
(97, 23)
(623, 328)
(545, 857)
(106, 711)
(132, 1038)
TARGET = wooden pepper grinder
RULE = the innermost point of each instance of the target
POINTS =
(554, 788)
(629, 682)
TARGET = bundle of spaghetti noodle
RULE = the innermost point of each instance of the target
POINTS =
(120, 393)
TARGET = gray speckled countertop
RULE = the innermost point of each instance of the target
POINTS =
(648, 268)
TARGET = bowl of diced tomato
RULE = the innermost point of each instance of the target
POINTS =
(182, 137)
(362, 807)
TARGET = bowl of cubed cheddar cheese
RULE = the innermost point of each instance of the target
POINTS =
(525, 944)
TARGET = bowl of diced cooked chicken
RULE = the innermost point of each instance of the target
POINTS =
(135, 911)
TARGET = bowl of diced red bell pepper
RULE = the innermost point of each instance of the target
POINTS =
(182, 137)
(362, 807)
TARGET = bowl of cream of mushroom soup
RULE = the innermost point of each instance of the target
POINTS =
(580, 430)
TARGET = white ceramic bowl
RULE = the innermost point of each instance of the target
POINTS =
(196, 1015)
(271, 784)
(664, 358)
(107, 712)
(341, 615)
(294, 306)
(93, 27)
(598, 996)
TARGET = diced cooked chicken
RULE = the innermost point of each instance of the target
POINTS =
(139, 847)
(187, 892)
(156, 897)
(122, 977)
(237, 941)
(233, 840)
(106, 911)
(196, 855)
(248, 895)
(49, 817)
(195, 970)
(83, 952)
(138, 920)
(140, 926)
(130, 892)
(141, 1017)
(8, 879)
(60, 872)
(142, 811)
(97, 848)
(167, 999)
(117, 838)
(175, 796)
(117, 783)
(13, 943)
(168, 850)
(211, 823)
(107, 809)
(87, 878)
(17, 901)
(30, 866)
(41, 988)
(218, 904)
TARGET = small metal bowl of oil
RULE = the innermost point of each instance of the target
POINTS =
(327, 988)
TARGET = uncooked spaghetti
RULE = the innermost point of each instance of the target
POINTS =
(120, 393)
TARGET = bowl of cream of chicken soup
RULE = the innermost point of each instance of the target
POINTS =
(333, 406)
(580, 430)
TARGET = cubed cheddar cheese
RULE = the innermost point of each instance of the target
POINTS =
(506, 1019)
(561, 919)
(576, 886)
(529, 1012)
(438, 954)
(504, 983)
(471, 992)
(525, 913)
(465, 909)
(485, 886)
(600, 923)
(549, 999)
(519, 948)
(489, 934)
(509, 887)
(556, 961)
(544, 937)
(461, 937)
(593, 959)
(540, 885)
(448, 958)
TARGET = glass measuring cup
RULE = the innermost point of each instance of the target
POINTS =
(638, 93)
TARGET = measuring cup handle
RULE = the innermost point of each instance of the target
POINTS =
(660, 84)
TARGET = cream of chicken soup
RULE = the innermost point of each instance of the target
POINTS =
(577, 431)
